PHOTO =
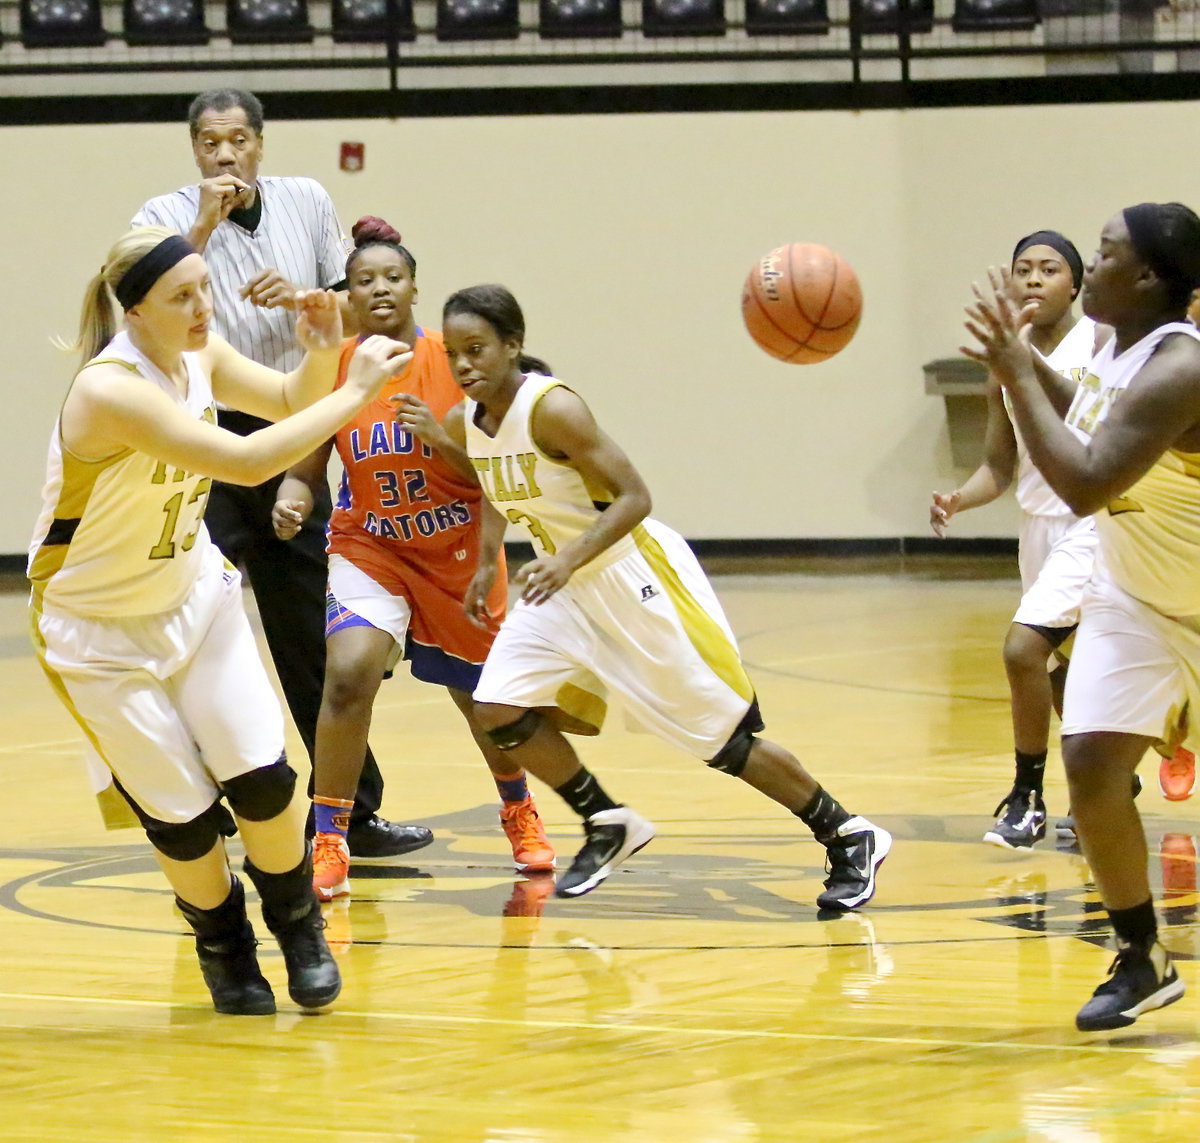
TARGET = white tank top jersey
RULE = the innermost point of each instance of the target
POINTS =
(124, 535)
(1150, 536)
(543, 496)
(1070, 358)
(1109, 375)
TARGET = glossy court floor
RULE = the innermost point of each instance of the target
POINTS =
(697, 996)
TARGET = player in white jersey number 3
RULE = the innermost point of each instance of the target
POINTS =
(613, 602)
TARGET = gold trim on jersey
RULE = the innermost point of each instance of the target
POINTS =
(1123, 504)
(115, 811)
(1175, 728)
(579, 711)
(554, 384)
(600, 496)
(79, 478)
(1188, 461)
(704, 633)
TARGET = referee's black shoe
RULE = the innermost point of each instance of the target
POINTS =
(1140, 979)
(377, 838)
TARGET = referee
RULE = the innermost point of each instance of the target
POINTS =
(264, 238)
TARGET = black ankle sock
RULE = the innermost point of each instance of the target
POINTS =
(1137, 926)
(585, 795)
(823, 815)
(1031, 771)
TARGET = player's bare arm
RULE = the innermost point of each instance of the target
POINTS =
(298, 491)
(563, 427)
(127, 411)
(244, 384)
(995, 472)
(418, 418)
(1142, 426)
(492, 526)
(1059, 389)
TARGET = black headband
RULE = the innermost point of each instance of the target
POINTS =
(1166, 236)
(151, 266)
(1058, 242)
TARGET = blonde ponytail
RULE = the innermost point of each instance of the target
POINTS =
(98, 319)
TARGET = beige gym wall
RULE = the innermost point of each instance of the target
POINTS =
(626, 239)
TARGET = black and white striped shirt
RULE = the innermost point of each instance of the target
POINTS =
(298, 234)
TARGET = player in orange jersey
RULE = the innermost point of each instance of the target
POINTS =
(404, 543)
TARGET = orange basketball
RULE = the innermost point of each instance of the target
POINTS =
(801, 303)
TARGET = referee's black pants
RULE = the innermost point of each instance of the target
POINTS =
(288, 578)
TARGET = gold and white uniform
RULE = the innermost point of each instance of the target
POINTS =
(138, 620)
(641, 620)
(1136, 667)
(1056, 548)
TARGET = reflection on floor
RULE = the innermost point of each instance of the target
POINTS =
(697, 996)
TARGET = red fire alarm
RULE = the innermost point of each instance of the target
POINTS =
(353, 157)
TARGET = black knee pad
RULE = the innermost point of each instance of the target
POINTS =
(186, 841)
(731, 758)
(516, 733)
(261, 794)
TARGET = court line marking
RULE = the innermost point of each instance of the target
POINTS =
(1106, 1046)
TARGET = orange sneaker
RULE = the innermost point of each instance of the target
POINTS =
(531, 850)
(1177, 776)
(331, 866)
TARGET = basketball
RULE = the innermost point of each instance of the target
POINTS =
(801, 303)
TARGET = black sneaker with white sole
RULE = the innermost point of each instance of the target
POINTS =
(1020, 820)
(1140, 980)
(854, 853)
(612, 836)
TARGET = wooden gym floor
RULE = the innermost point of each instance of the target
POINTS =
(696, 997)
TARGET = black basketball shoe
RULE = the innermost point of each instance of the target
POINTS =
(853, 855)
(612, 836)
(1140, 979)
(1020, 820)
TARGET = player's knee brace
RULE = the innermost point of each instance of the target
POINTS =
(732, 757)
(186, 841)
(261, 794)
(516, 733)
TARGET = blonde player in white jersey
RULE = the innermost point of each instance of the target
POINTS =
(137, 618)
(1135, 673)
(613, 601)
(1056, 547)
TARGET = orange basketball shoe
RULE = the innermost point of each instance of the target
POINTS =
(1177, 775)
(331, 866)
(531, 850)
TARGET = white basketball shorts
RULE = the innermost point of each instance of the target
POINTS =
(1134, 671)
(354, 590)
(649, 627)
(1056, 558)
(174, 703)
